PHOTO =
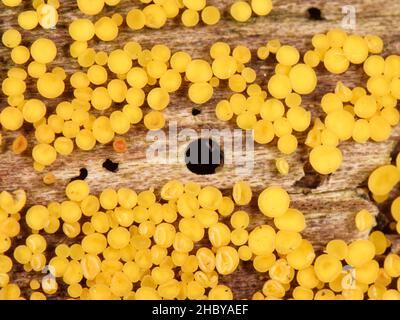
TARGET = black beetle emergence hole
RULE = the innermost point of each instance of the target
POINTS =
(382, 224)
(83, 173)
(195, 112)
(310, 180)
(110, 165)
(314, 14)
(204, 156)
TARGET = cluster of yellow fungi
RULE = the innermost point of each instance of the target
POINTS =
(179, 243)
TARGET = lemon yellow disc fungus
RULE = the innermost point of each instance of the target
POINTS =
(50, 86)
(287, 55)
(135, 19)
(312, 58)
(273, 202)
(287, 144)
(341, 123)
(118, 238)
(81, 30)
(33, 110)
(246, 120)
(47, 15)
(331, 102)
(272, 109)
(43, 50)
(13, 86)
(241, 11)
(210, 15)
(28, 20)
(360, 252)
(190, 18)
(137, 77)
(302, 78)
(392, 265)
(210, 198)
(119, 62)
(198, 71)
(92, 7)
(263, 131)
(327, 268)
(44, 154)
(226, 260)
(302, 256)
(155, 16)
(383, 179)
(11, 38)
(158, 99)
(77, 48)
(77, 190)
(336, 61)
(361, 131)
(262, 240)
(37, 217)
(282, 166)
(374, 43)
(224, 67)
(102, 130)
(11, 3)
(106, 29)
(117, 90)
(179, 61)
(378, 86)
(219, 49)
(355, 48)
(326, 159)
(154, 120)
(223, 110)
(279, 86)
(200, 92)
(364, 220)
(160, 52)
(261, 7)
(171, 80)
(379, 128)
(20, 55)
(299, 118)
(242, 193)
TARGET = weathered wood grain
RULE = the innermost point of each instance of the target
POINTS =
(329, 203)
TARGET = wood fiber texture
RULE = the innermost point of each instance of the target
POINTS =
(329, 203)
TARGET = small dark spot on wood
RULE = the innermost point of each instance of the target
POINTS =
(204, 157)
(195, 112)
(314, 14)
(110, 165)
(83, 173)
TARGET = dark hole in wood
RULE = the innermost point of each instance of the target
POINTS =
(195, 112)
(382, 224)
(310, 180)
(204, 156)
(110, 165)
(314, 13)
(83, 173)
